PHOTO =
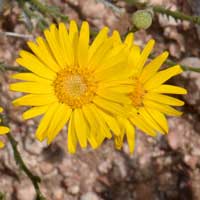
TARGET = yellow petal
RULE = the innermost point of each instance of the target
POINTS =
(35, 111)
(66, 45)
(31, 77)
(109, 106)
(72, 139)
(170, 89)
(130, 134)
(129, 40)
(93, 124)
(118, 139)
(153, 67)
(164, 99)
(47, 51)
(81, 127)
(4, 130)
(162, 76)
(98, 41)
(92, 140)
(129, 130)
(114, 96)
(116, 38)
(113, 73)
(73, 35)
(114, 57)
(30, 87)
(159, 118)
(99, 55)
(133, 59)
(44, 54)
(41, 132)
(59, 120)
(103, 131)
(145, 54)
(30, 62)
(73, 29)
(151, 120)
(162, 108)
(52, 37)
(124, 89)
(111, 122)
(116, 83)
(141, 123)
(35, 100)
(83, 45)
(1, 109)
(1, 144)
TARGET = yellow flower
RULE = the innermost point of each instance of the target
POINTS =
(149, 96)
(3, 130)
(74, 83)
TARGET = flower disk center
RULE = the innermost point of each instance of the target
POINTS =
(75, 87)
(138, 93)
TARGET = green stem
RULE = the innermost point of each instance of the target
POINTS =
(2, 196)
(46, 10)
(19, 161)
(184, 67)
(42, 8)
(42, 23)
(4, 67)
(159, 9)
(177, 14)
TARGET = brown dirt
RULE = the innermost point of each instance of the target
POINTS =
(162, 168)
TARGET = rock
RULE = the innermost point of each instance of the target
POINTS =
(105, 166)
(173, 139)
(53, 153)
(58, 194)
(31, 144)
(174, 50)
(26, 191)
(191, 161)
(120, 166)
(66, 168)
(192, 82)
(143, 191)
(74, 189)
(191, 61)
(46, 168)
(89, 196)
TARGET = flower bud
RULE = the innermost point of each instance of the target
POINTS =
(142, 19)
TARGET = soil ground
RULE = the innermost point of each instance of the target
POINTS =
(162, 168)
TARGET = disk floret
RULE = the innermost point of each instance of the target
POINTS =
(74, 87)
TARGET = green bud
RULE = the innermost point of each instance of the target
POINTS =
(142, 19)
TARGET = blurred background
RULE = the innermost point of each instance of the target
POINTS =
(162, 168)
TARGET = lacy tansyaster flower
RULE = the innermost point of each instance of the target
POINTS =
(150, 100)
(75, 83)
(3, 129)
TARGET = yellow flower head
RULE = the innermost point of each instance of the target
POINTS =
(75, 83)
(150, 102)
(3, 130)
